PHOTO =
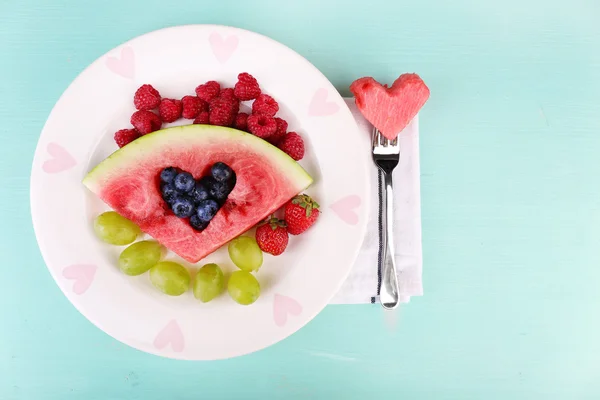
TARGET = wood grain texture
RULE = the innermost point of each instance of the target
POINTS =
(511, 220)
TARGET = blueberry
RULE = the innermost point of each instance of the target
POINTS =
(220, 190)
(184, 182)
(199, 192)
(168, 174)
(221, 172)
(183, 206)
(197, 223)
(207, 209)
(207, 182)
(168, 192)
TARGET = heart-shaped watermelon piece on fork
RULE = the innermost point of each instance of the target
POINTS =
(390, 109)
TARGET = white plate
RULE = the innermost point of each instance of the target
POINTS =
(78, 135)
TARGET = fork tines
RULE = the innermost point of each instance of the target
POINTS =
(382, 145)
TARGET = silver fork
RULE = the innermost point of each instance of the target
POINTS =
(386, 155)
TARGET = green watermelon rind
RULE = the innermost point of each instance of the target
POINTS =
(141, 148)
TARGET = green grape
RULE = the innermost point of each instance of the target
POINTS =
(243, 287)
(209, 283)
(170, 278)
(115, 229)
(245, 253)
(140, 257)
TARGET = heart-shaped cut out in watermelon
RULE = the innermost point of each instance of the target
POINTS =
(390, 109)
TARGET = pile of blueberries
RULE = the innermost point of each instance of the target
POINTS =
(198, 200)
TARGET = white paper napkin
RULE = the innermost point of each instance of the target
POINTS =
(361, 284)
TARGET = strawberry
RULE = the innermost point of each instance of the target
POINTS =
(300, 214)
(272, 236)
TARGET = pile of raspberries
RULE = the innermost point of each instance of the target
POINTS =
(215, 106)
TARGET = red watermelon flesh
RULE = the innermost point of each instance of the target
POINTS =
(128, 181)
(390, 109)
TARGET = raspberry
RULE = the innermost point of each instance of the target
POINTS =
(169, 110)
(126, 136)
(228, 94)
(227, 103)
(146, 98)
(282, 126)
(246, 87)
(223, 115)
(220, 102)
(223, 109)
(292, 145)
(208, 91)
(145, 121)
(241, 121)
(262, 126)
(265, 104)
(202, 118)
(192, 106)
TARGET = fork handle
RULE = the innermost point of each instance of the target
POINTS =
(388, 295)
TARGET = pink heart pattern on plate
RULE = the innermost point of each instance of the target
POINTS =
(123, 66)
(282, 306)
(221, 47)
(345, 208)
(82, 274)
(172, 334)
(320, 107)
(60, 159)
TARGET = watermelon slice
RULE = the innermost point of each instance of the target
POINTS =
(390, 109)
(128, 181)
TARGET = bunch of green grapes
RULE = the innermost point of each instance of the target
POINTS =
(174, 279)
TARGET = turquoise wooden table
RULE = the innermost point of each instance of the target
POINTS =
(511, 220)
